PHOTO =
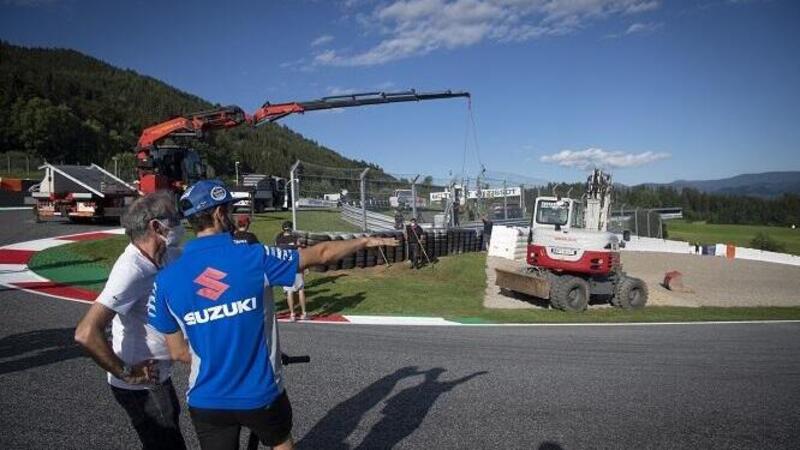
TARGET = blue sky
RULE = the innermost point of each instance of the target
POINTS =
(653, 90)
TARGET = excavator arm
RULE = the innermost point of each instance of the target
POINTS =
(270, 113)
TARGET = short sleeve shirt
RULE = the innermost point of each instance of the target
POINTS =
(217, 294)
(126, 293)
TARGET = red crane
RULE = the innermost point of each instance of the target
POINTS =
(175, 166)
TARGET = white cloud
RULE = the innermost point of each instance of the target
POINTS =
(642, 28)
(324, 39)
(597, 157)
(417, 27)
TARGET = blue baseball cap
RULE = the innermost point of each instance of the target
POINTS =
(203, 195)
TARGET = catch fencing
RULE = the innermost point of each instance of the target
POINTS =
(637, 222)
(387, 199)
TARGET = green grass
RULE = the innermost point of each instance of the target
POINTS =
(740, 235)
(79, 263)
(452, 289)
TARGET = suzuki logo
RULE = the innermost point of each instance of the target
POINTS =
(212, 286)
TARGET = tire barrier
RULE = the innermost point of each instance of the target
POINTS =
(315, 238)
(436, 242)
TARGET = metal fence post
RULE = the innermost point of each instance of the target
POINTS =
(522, 199)
(505, 200)
(293, 181)
(636, 221)
(414, 197)
(363, 182)
(648, 224)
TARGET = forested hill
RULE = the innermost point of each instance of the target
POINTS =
(64, 106)
(767, 184)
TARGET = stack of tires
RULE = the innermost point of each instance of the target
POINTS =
(316, 238)
(349, 261)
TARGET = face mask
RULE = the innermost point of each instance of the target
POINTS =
(174, 234)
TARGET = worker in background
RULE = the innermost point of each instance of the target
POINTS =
(456, 210)
(242, 232)
(398, 219)
(414, 237)
(136, 358)
(212, 305)
(286, 240)
(487, 230)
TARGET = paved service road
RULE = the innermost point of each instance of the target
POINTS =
(20, 225)
(681, 386)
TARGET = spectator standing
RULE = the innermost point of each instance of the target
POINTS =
(242, 232)
(141, 385)
(286, 240)
(213, 307)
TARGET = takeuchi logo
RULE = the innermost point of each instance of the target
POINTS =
(212, 288)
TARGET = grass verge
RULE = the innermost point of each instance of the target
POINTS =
(452, 289)
(740, 235)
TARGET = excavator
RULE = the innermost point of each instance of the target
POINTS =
(165, 162)
(571, 256)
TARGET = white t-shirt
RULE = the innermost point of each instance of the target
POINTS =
(126, 292)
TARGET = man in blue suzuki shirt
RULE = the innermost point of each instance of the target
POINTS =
(216, 296)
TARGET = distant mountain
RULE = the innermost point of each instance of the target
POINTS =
(62, 105)
(767, 184)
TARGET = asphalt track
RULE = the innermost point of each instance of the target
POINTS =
(676, 386)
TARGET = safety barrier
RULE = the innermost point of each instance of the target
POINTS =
(646, 244)
(435, 242)
(375, 221)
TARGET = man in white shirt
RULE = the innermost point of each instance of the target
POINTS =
(137, 359)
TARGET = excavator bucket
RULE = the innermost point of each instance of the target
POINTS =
(524, 282)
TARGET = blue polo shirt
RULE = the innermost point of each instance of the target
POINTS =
(218, 294)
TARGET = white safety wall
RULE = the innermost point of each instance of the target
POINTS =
(759, 255)
(646, 244)
(511, 243)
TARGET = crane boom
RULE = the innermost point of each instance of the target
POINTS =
(270, 113)
(193, 125)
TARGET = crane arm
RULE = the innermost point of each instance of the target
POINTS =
(270, 113)
(194, 125)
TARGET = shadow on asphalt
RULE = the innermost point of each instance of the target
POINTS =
(24, 351)
(81, 284)
(402, 413)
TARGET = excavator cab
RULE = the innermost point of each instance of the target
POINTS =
(553, 213)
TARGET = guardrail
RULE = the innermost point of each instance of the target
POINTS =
(375, 221)
(382, 222)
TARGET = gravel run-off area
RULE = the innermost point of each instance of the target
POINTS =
(713, 281)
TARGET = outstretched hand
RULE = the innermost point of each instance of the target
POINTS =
(381, 242)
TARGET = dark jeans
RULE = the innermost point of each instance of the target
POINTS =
(154, 414)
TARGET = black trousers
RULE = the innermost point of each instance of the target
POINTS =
(154, 414)
(414, 255)
(218, 429)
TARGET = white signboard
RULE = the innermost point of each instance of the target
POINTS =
(485, 193)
